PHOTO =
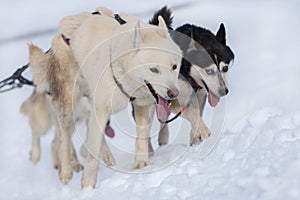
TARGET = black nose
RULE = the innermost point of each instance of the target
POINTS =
(223, 91)
(172, 93)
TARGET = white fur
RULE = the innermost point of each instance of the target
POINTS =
(126, 52)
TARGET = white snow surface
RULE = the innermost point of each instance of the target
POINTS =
(257, 154)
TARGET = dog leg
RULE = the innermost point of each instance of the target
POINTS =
(143, 118)
(150, 148)
(35, 152)
(54, 150)
(66, 128)
(193, 114)
(201, 97)
(77, 167)
(83, 150)
(163, 136)
(106, 154)
(94, 140)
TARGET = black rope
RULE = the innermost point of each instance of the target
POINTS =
(15, 81)
(175, 117)
(151, 90)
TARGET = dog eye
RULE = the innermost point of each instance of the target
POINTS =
(225, 69)
(209, 71)
(174, 67)
(154, 70)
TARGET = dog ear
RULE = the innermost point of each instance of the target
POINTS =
(192, 45)
(163, 27)
(137, 37)
(221, 34)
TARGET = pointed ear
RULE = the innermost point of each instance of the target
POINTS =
(137, 37)
(163, 27)
(221, 34)
(192, 45)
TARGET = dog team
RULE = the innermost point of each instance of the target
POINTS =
(102, 61)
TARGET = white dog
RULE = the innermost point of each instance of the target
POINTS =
(133, 62)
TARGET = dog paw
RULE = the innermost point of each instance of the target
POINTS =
(87, 181)
(77, 167)
(202, 133)
(108, 158)
(65, 174)
(35, 156)
(140, 164)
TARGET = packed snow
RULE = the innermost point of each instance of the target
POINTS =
(254, 152)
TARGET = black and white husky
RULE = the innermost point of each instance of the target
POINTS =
(203, 73)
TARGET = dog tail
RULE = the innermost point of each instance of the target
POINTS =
(39, 66)
(166, 14)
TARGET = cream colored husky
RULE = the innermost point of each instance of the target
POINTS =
(112, 64)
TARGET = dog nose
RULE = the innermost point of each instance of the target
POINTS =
(173, 93)
(223, 91)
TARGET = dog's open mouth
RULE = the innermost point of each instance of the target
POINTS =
(213, 99)
(162, 105)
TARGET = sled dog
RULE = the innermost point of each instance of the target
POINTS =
(203, 73)
(112, 64)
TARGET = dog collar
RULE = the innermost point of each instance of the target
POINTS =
(121, 87)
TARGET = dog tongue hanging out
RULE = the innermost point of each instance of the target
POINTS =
(162, 109)
(213, 100)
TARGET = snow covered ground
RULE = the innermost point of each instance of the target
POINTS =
(257, 155)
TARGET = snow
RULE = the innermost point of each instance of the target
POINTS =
(254, 152)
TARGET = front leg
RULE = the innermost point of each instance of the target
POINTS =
(106, 154)
(143, 117)
(93, 143)
(193, 114)
(163, 136)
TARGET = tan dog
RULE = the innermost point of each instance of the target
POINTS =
(39, 107)
(39, 110)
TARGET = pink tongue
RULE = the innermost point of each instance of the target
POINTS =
(162, 109)
(109, 131)
(213, 99)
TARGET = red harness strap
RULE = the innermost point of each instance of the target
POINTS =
(178, 114)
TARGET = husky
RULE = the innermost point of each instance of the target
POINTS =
(39, 107)
(54, 74)
(41, 116)
(112, 64)
(203, 73)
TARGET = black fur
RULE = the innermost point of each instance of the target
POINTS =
(214, 45)
(166, 15)
(221, 35)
